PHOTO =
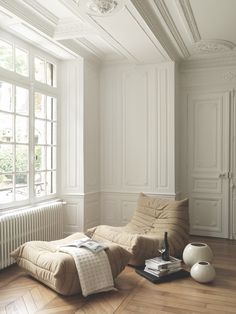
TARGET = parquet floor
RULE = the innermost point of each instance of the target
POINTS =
(20, 294)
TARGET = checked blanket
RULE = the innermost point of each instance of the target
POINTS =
(94, 270)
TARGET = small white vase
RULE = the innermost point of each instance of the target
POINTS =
(203, 272)
(195, 252)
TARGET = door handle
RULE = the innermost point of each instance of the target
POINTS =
(223, 175)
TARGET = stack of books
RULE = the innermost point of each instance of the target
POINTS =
(158, 267)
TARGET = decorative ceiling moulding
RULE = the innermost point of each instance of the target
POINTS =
(90, 47)
(136, 16)
(212, 46)
(161, 6)
(74, 46)
(188, 18)
(210, 61)
(67, 29)
(100, 7)
(167, 49)
(229, 76)
(114, 44)
(50, 17)
(4, 15)
(29, 16)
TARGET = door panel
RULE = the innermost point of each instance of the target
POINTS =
(208, 145)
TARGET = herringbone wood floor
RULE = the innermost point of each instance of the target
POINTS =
(20, 294)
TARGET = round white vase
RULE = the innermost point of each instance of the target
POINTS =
(203, 272)
(195, 252)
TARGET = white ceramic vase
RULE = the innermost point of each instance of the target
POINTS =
(203, 272)
(196, 252)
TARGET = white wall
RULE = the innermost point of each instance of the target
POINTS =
(137, 137)
(91, 145)
(80, 144)
(120, 136)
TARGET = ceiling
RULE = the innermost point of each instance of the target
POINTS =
(145, 31)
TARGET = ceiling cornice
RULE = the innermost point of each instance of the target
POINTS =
(90, 47)
(162, 8)
(227, 59)
(145, 10)
(42, 11)
(24, 13)
(77, 48)
(189, 21)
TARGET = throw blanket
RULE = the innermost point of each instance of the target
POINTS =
(94, 270)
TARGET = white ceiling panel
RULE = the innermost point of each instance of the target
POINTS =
(215, 19)
(100, 43)
(127, 31)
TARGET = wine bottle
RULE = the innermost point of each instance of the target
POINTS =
(166, 249)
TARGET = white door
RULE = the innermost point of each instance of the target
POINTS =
(208, 149)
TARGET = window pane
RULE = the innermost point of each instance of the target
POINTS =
(6, 55)
(54, 158)
(51, 133)
(54, 127)
(51, 108)
(51, 74)
(22, 100)
(6, 188)
(22, 159)
(51, 182)
(6, 127)
(22, 129)
(39, 69)
(6, 103)
(51, 158)
(21, 62)
(39, 104)
(40, 155)
(22, 193)
(6, 158)
(40, 132)
(22, 188)
(39, 184)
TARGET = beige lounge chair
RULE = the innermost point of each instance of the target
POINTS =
(143, 235)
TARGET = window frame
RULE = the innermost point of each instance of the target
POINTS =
(29, 82)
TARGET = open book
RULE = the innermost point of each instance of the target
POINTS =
(87, 243)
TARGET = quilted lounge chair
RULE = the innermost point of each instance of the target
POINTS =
(143, 235)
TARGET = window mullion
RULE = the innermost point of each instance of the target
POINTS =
(31, 143)
(14, 142)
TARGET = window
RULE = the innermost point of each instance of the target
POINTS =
(45, 72)
(28, 127)
(13, 58)
(45, 144)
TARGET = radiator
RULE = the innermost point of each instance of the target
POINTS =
(44, 223)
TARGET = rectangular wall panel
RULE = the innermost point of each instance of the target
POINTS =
(135, 129)
(206, 214)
